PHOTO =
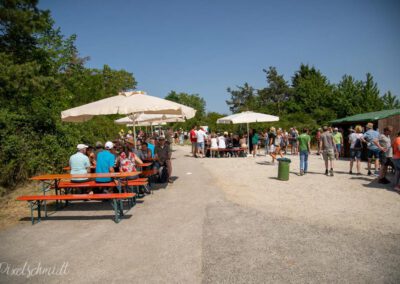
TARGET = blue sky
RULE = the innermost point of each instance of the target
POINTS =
(205, 46)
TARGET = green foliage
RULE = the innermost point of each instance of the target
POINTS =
(41, 74)
(242, 99)
(311, 100)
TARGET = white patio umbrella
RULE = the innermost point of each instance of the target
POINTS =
(150, 120)
(131, 103)
(247, 117)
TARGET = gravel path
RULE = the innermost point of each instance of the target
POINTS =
(222, 221)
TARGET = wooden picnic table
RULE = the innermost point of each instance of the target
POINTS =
(50, 181)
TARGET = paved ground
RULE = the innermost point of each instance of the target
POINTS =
(193, 232)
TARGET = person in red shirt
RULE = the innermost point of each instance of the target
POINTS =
(396, 160)
(193, 140)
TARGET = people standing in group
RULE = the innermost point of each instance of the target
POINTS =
(318, 140)
(396, 161)
(385, 157)
(254, 140)
(338, 139)
(327, 145)
(163, 156)
(201, 137)
(304, 149)
(373, 151)
(193, 140)
(355, 148)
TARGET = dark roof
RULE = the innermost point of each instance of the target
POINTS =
(369, 116)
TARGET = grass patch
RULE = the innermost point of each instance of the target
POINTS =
(11, 211)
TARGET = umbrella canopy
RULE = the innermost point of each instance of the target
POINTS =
(247, 117)
(150, 119)
(127, 103)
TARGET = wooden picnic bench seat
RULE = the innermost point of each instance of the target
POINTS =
(35, 201)
(92, 183)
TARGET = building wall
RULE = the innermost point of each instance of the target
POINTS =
(392, 121)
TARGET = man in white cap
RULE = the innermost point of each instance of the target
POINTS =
(105, 162)
(79, 163)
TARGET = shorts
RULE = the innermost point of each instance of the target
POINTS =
(338, 147)
(200, 145)
(373, 153)
(272, 148)
(355, 154)
(328, 154)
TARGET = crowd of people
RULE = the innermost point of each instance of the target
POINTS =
(122, 155)
(329, 142)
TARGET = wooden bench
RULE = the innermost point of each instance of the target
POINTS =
(36, 201)
(238, 151)
(150, 174)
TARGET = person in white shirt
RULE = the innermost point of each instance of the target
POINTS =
(222, 144)
(201, 136)
(214, 145)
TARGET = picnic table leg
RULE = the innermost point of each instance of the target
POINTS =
(39, 208)
(32, 218)
(115, 205)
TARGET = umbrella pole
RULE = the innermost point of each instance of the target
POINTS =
(248, 139)
(134, 134)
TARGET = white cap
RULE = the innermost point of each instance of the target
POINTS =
(109, 145)
(81, 146)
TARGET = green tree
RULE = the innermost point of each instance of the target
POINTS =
(273, 97)
(191, 100)
(312, 93)
(41, 74)
(390, 101)
(242, 99)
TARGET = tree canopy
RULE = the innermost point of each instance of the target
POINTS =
(41, 74)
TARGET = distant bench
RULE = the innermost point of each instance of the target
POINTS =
(238, 152)
(36, 201)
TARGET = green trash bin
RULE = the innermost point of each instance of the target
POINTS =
(283, 168)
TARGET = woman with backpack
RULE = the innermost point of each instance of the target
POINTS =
(355, 148)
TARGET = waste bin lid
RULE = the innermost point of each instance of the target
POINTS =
(287, 160)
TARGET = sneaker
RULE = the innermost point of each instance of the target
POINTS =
(331, 172)
(384, 181)
(369, 173)
(350, 172)
(326, 172)
(301, 172)
(376, 173)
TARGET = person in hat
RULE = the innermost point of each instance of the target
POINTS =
(105, 162)
(373, 151)
(79, 163)
(163, 155)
